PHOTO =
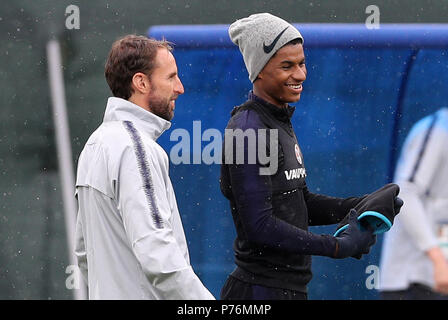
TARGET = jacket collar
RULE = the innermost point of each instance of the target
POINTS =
(119, 109)
(282, 114)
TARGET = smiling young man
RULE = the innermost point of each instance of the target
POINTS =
(272, 212)
(130, 242)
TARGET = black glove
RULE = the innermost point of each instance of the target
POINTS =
(352, 241)
(377, 209)
(398, 203)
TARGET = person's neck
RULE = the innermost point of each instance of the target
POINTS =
(262, 94)
(139, 101)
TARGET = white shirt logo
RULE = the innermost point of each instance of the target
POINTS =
(298, 156)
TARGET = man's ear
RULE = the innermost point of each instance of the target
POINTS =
(141, 83)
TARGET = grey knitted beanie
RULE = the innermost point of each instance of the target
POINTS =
(259, 36)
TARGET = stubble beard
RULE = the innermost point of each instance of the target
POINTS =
(161, 107)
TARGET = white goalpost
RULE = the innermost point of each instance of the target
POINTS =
(64, 152)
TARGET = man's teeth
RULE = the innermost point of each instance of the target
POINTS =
(295, 86)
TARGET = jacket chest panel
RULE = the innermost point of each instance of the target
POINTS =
(291, 171)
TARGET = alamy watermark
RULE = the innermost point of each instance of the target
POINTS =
(373, 278)
(250, 146)
(72, 20)
(373, 20)
(74, 278)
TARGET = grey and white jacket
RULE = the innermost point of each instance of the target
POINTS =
(422, 174)
(130, 242)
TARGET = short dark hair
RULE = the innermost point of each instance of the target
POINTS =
(129, 55)
(292, 42)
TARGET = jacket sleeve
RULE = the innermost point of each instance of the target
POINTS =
(147, 217)
(252, 195)
(418, 164)
(80, 250)
(325, 210)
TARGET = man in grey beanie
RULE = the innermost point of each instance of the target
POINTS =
(272, 212)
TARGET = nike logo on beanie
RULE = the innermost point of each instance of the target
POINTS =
(269, 48)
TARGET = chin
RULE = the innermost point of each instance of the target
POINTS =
(296, 99)
(293, 99)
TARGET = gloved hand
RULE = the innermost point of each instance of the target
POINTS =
(398, 203)
(352, 241)
(378, 209)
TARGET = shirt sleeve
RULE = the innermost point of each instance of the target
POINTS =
(252, 194)
(417, 166)
(325, 210)
(414, 218)
(147, 217)
(80, 250)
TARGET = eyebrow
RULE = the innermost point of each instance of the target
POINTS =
(172, 74)
(291, 62)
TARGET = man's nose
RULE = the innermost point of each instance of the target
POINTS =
(299, 73)
(179, 88)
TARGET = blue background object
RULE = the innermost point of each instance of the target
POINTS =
(364, 91)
